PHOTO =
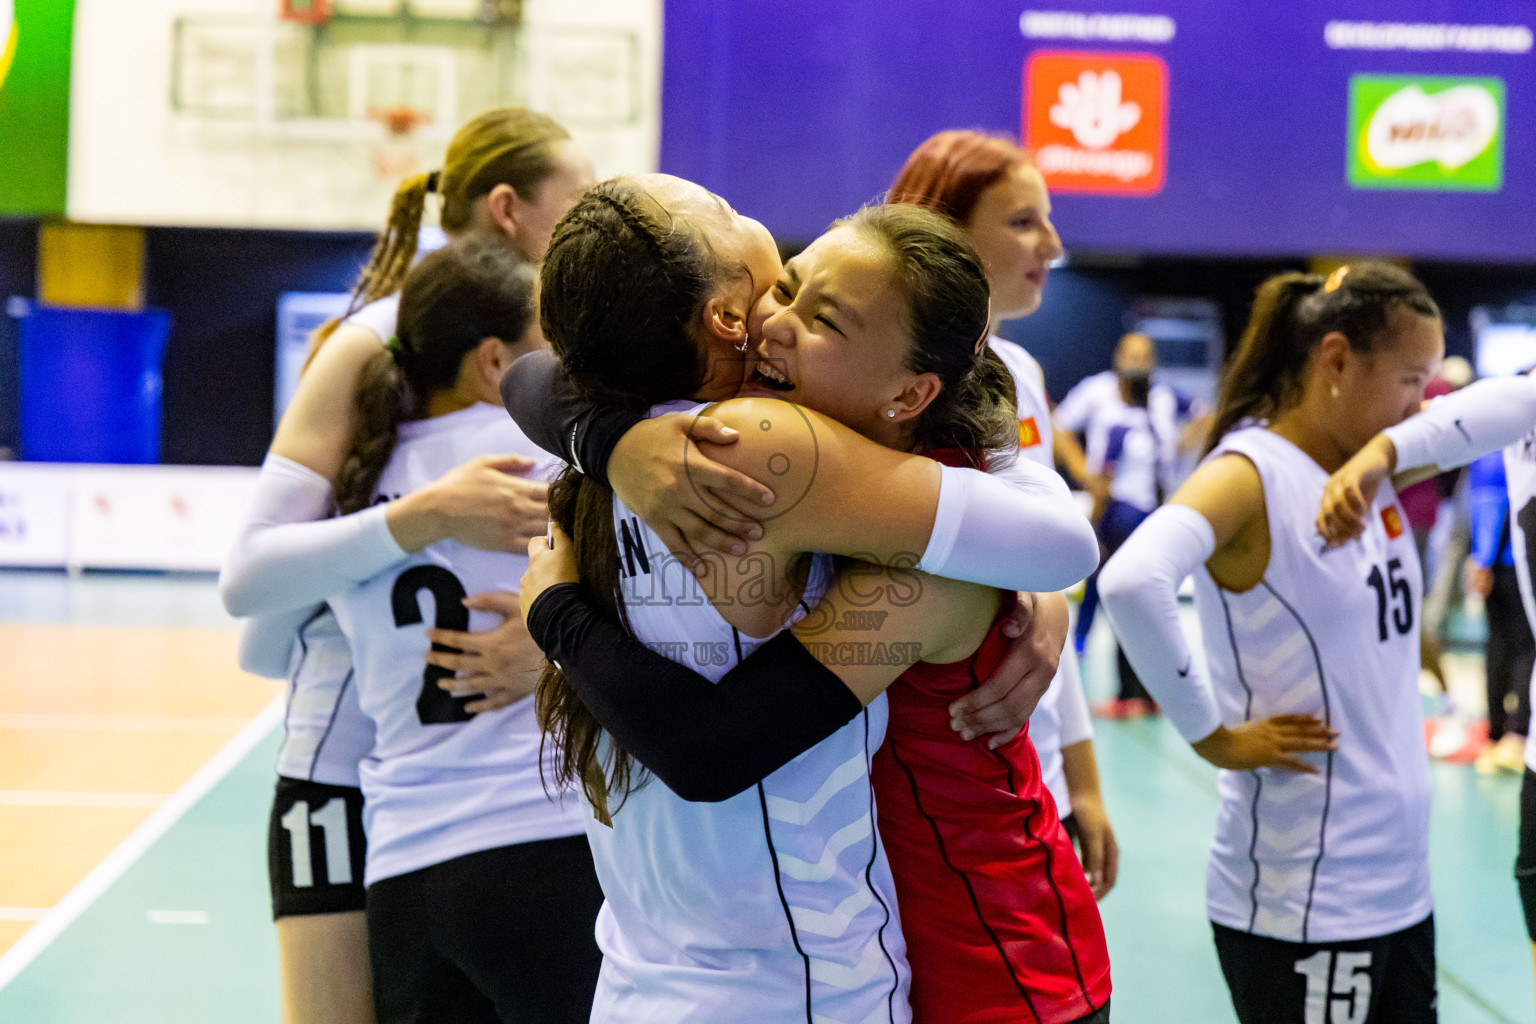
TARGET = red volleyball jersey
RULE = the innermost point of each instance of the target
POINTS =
(1000, 923)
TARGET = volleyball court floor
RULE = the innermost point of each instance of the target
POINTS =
(136, 771)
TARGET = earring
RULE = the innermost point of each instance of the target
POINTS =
(743, 346)
(890, 414)
(1333, 391)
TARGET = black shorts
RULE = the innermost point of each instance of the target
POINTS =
(1385, 980)
(1525, 859)
(1099, 1016)
(505, 935)
(315, 848)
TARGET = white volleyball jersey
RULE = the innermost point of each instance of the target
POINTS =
(1061, 717)
(775, 905)
(1060, 720)
(1520, 472)
(325, 733)
(439, 783)
(1343, 854)
(1167, 405)
(1035, 439)
(380, 316)
(1125, 441)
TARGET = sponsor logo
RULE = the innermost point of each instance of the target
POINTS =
(1426, 132)
(1392, 521)
(1097, 122)
(1029, 433)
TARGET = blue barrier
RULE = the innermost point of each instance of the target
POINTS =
(90, 383)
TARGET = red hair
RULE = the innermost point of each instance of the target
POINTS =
(949, 172)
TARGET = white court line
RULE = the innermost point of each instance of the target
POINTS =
(90, 888)
(23, 913)
(121, 723)
(77, 798)
(178, 917)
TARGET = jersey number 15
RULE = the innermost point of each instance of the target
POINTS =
(1392, 593)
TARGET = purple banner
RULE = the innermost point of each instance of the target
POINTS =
(1395, 127)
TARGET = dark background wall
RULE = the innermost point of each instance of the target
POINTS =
(221, 287)
(18, 276)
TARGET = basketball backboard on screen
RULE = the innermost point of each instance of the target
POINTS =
(311, 120)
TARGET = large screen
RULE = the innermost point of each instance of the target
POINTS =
(1393, 126)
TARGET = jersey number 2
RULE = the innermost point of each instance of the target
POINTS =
(1351, 988)
(435, 706)
(1400, 599)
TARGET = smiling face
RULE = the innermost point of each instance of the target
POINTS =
(830, 333)
(1011, 229)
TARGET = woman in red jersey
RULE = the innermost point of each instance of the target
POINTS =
(989, 186)
(999, 920)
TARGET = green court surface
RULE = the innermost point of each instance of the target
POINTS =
(185, 935)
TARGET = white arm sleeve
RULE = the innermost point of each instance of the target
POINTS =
(288, 556)
(1460, 428)
(1073, 723)
(1139, 588)
(1018, 529)
(267, 642)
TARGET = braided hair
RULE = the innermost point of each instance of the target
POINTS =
(622, 284)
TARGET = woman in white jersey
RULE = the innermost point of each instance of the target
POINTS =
(1454, 431)
(481, 893)
(991, 189)
(508, 174)
(775, 902)
(1318, 887)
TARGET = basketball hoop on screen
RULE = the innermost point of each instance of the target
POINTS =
(398, 154)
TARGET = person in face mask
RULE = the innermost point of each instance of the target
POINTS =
(1131, 427)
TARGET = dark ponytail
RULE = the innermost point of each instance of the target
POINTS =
(1291, 314)
(452, 300)
(622, 285)
(949, 309)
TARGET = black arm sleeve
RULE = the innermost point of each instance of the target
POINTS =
(545, 405)
(706, 741)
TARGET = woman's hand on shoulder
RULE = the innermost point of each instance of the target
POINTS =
(487, 503)
(1351, 491)
(694, 503)
(1001, 706)
(1268, 743)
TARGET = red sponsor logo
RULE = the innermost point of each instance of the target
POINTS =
(1029, 433)
(1392, 521)
(1097, 122)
